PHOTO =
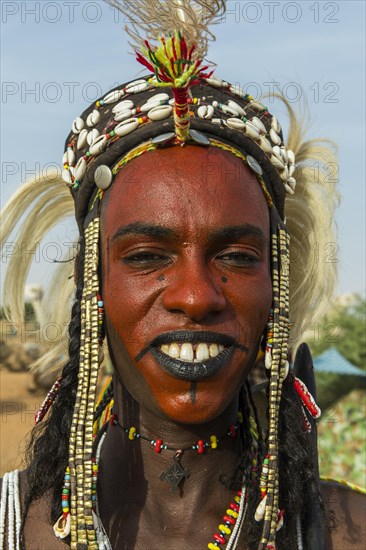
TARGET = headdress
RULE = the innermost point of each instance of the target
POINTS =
(180, 101)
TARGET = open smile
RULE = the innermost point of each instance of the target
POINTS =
(191, 355)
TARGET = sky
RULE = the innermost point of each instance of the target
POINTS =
(59, 56)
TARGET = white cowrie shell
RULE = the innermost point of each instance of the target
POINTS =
(277, 163)
(103, 176)
(274, 137)
(158, 97)
(259, 124)
(291, 156)
(289, 190)
(160, 112)
(70, 156)
(287, 368)
(92, 136)
(265, 145)
(93, 118)
(126, 127)
(123, 105)
(277, 151)
(78, 125)
(279, 523)
(235, 123)
(112, 97)
(284, 154)
(291, 170)
(80, 169)
(218, 121)
(256, 105)
(65, 158)
(259, 513)
(217, 82)
(275, 124)
(228, 110)
(172, 101)
(284, 175)
(82, 139)
(123, 115)
(205, 111)
(66, 176)
(62, 526)
(98, 145)
(292, 183)
(136, 86)
(251, 131)
(236, 90)
(239, 110)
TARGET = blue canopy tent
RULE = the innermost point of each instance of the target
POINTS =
(331, 361)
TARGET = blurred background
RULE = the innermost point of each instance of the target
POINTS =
(59, 56)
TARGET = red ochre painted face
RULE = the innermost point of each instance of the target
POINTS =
(185, 265)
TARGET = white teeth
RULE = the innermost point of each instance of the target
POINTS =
(202, 352)
(174, 351)
(186, 352)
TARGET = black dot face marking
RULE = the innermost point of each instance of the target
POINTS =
(161, 278)
(224, 279)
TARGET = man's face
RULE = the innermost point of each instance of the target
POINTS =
(185, 279)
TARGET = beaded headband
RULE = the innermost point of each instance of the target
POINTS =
(133, 113)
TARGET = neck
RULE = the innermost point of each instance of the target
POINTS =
(133, 469)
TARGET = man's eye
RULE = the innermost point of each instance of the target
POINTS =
(144, 258)
(238, 259)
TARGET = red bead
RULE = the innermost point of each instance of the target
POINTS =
(232, 431)
(158, 444)
(113, 420)
(234, 507)
(201, 446)
(219, 538)
(228, 519)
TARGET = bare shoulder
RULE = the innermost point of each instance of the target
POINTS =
(346, 517)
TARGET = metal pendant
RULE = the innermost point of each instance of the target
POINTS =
(175, 474)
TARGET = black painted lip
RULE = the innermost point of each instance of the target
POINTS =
(185, 370)
(193, 372)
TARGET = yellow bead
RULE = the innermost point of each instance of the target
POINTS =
(224, 529)
(195, 100)
(65, 510)
(237, 499)
(231, 513)
(240, 417)
(212, 546)
(97, 104)
(131, 433)
(213, 440)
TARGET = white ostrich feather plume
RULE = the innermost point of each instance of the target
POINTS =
(149, 19)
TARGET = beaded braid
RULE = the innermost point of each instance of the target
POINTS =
(81, 435)
(280, 284)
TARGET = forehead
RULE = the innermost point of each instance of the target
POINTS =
(191, 189)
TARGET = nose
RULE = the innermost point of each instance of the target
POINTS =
(194, 292)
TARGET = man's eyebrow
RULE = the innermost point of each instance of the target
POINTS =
(234, 232)
(149, 230)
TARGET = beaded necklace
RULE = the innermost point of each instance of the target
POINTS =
(175, 474)
(232, 520)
